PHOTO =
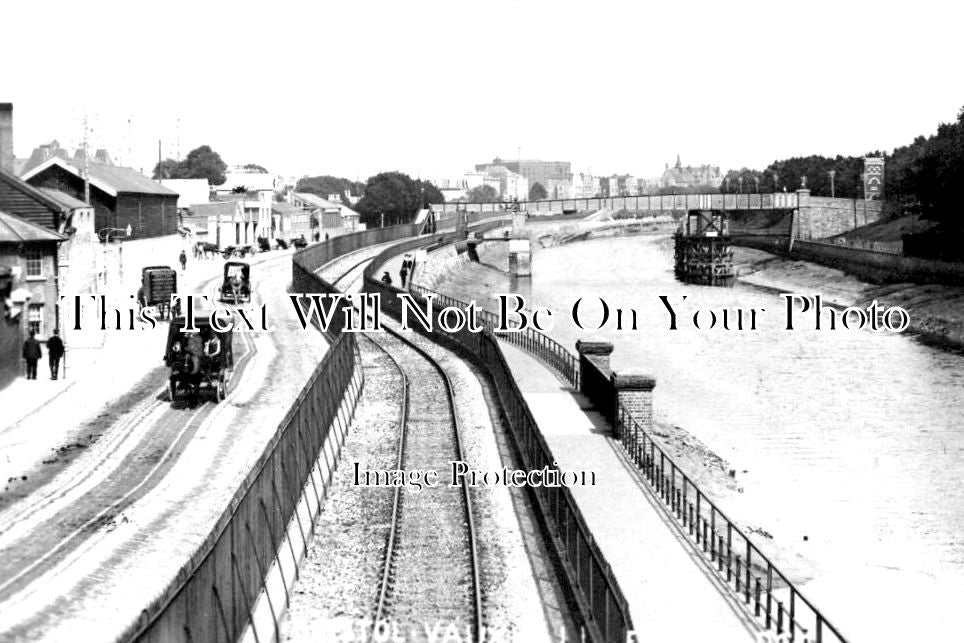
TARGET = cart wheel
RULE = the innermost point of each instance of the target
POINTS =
(172, 388)
(219, 392)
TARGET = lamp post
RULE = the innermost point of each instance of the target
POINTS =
(126, 230)
(832, 174)
(740, 181)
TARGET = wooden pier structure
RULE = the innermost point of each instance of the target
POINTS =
(703, 252)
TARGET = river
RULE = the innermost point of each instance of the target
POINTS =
(848, 444)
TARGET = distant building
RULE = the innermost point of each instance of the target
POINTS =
(327, 215)
(555, 176)
(120, 196)
(690, 176)
(256, 206)
(239, 178)
(291, 221)
(222, 223)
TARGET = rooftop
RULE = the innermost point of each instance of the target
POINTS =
(112, 179)
(13, 229)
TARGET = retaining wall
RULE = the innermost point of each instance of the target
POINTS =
(869, 265)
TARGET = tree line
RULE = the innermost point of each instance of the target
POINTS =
(922, 176)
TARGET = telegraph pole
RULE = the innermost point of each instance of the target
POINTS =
(86, 165)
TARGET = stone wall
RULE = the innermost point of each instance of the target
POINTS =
(439, 264)
(822, 217)
(879, 267)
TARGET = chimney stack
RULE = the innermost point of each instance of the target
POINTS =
(6, 136)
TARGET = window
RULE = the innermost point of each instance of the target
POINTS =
(35, 263)
(35, 318)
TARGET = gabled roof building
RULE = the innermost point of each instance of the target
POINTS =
(120, 196)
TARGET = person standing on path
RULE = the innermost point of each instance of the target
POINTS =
(183, 259)
(32, 353)
(403, 273)
(55, 350)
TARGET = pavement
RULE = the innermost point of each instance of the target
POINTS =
(94, 586)
(95, 371)
(672, 594)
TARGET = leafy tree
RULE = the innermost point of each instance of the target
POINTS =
(255, 168)
(205, 163)
(166, 169)
(393, 194)
(200, 163)
(326, 185)
(429, 193)
(482, 194)
(537, 192)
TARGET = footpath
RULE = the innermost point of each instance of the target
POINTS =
(98, 369)
(672, 594)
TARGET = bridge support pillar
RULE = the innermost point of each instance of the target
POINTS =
(520, 255)
(519, 223)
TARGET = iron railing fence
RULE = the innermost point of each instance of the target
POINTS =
(602, 603)
(746, 571)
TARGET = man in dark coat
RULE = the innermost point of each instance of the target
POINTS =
(31, 353)
(55, 350)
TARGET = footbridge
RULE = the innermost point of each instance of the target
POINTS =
(816, 217)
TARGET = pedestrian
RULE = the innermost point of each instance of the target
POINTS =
(387, 279)
(326, 236)
(403, 273)
(183, 258)
(55, 350)
(32, 353)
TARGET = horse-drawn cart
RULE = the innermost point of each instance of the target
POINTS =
(158, 283)
(236, 286)
(200, 362)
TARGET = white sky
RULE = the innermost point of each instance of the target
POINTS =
(433, 87)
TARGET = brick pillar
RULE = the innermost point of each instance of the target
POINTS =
(634, 392)
(594, 374)
(593, 358)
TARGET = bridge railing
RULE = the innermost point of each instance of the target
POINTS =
(602, 604)
(549, 351)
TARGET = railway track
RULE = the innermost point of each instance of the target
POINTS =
(431, 572)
